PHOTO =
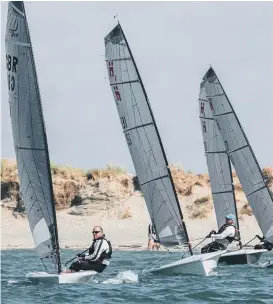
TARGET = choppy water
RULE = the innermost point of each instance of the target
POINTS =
(122, 282)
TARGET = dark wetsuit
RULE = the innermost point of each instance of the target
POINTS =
(98, 258)
(266, 245)
(215, 246)
(152, 233)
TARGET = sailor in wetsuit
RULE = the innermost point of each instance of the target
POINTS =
(225, 236)
(152, 238)
(98, 256)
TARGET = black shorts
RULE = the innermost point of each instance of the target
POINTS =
(212, 247)
(87, 265)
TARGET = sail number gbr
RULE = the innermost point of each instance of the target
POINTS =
(11, 62)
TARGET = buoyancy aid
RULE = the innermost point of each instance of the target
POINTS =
(236, 236)
(104, 254)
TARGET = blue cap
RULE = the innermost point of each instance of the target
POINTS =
(231, 217)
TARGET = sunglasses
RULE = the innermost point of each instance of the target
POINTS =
(96, 232)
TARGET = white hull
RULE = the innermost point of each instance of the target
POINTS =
(201, 264)
(242, 256)
(66, 278)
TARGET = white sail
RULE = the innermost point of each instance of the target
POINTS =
(29, 137)
(241, 155)
(218, 163)
(143, 140)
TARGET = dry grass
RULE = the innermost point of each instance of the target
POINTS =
(68, 182)
(9, 170)
(246, 210)
(185, 181)
(66, 172)
(126, 213)
(111, 171)
(125, 182)
(200, 208)
(65, 192)
(201, 200)
(268, 174)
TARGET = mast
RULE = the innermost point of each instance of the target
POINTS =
(160, 141)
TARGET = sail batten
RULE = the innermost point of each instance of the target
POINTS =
(219, 192)
(32, 149)
(124, 82)
(29, 136)
(143, 140)
(140, 126)
(241, 154)
(154, 179)
(238, 149)
(117, 59)
(221, 114)
(255, 191)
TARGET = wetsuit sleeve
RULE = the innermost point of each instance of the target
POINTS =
(91, 249)
(99, 247)
(229, 231)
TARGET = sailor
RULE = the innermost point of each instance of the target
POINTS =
(152, 238)
(265, 244)
(98, 256)
(226, 235)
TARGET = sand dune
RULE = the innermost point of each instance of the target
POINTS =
(109, 197)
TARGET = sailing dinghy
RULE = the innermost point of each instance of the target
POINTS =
(221, 180)
(31, 149)
(241, 155)
(149, 157)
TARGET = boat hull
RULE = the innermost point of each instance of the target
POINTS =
(242, 256)
(65, 278)
(201, 264)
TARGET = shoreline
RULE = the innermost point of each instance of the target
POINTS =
(119, 248)
(126, 234)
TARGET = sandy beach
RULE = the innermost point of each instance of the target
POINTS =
(128, 233)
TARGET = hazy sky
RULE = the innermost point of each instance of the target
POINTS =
(173, 45)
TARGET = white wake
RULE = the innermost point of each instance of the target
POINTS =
(127, 277)
(12, 282)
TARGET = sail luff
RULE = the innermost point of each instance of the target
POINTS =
(30, 138)
(159, 137)
(242, 155)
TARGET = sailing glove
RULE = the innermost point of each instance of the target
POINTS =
(260, 238)
(212, 232)
(81, 255)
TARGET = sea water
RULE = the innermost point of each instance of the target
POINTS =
(122, 282)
